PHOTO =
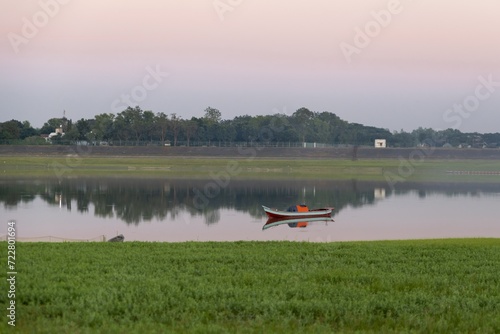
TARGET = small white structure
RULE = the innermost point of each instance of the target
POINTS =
(380, 143)
(379, 193)
(59, 130)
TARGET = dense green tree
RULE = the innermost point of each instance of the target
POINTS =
(149, 128)
(246, 130)
(492, 139)
(51, 125)
(130, 124)
(403, 139)
(136, 121)
(161, 122)
(301, 120)
(426, 135)
(211, 123)
(10, 129)
(175, 126)
(122, 127)
(83, 128)
(71, 135)
(226, 131)
(27, 130)
(103, 128)
(336, 126)
(190, 127)
(366, 135)
(453, 137)
(320, 131)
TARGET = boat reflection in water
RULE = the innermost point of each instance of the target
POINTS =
(295, 222)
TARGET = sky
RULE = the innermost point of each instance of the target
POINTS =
(395, 64)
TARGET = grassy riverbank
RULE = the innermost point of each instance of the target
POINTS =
(391, 286)
(244, 168)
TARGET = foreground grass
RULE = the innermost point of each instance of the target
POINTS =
(395, 286)
(335, 169)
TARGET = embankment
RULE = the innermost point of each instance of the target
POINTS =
(263, 152)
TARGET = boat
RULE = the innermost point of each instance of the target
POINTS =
(298, 211)
(295, 222)
(118, 238)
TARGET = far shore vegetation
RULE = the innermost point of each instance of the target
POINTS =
(134, 126)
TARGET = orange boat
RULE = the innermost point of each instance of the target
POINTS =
(298, 211)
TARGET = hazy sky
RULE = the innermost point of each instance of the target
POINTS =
(392, 64)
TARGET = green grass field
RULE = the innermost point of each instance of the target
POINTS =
(335, 169)
(444, 286)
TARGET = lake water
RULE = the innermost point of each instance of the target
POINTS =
(181, 210)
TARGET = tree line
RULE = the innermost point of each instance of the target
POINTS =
(134, 126)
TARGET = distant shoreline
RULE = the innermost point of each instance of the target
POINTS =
(251, 152)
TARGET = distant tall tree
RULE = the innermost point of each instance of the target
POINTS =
(149, 124)
(189, 129)
(301, 120)
(175, 126)
(211, 122)
(162, 124)
(130, 122)
(136, 118)
(212, 116)
(122, 127)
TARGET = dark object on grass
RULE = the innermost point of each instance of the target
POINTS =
(118, 238)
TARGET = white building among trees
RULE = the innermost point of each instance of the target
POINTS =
(380, 143)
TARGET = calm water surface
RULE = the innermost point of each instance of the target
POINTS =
(180, 210)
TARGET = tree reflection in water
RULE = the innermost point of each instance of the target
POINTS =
(139, 200)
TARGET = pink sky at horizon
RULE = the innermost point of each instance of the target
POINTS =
(263, 55)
